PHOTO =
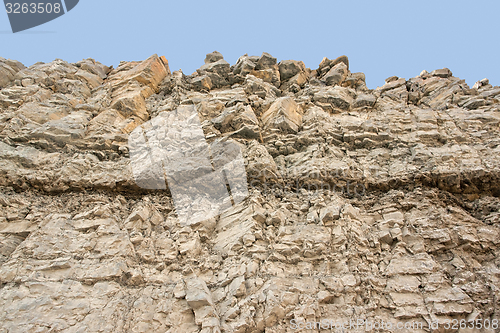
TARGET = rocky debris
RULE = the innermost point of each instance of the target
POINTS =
(199, 299)
(374, 204)
(484, 83)
(336, 73)
(257, 87)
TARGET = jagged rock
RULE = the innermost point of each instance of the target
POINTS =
(392, 84)
(334, 99)
(290, 68)
(266, 61)
(336, 75)
(376, 204)
(264, 67)
(284, 114)
(327, 64)
(134, 82)
(239, 121)
(8, 70)
(95, 67)
(356, 80)
(256, 86)
(244, 66)
(296, 82)
(481, 83)
(202, 82)
(217, 72)
(391, 79)
(444, 73)
(365, 100)
(269, 75)
(213, 57)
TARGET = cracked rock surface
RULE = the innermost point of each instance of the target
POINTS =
(379, 205)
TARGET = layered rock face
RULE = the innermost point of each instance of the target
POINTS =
(374, 205)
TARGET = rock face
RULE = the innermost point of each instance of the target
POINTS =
(374, 205)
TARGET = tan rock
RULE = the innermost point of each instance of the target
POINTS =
(284, 114)
(381, 204)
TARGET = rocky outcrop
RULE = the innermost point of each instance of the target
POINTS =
(374, 205)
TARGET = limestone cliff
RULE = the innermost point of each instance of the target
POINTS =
(374, 205)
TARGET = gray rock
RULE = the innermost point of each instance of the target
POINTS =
(202, 82)
(213, 57)
(217, 72)
(365, 100)
(336, 75)
(266, 61)
(356, 81)
(391, 79)
(290, 68)
(334, 99)
(444, 73)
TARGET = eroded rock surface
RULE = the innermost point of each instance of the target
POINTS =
(378, 205)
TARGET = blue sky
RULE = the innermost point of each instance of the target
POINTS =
(381, 38)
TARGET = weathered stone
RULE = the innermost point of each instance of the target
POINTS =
(356, 80)
(336, 75)
(244, 66)
(8, 70)
(419, 264)
(265, 61)
(213, 57)
(256, 86)
(444, 73)
(149, 72)
(217, 72)
(269, 75)
(202, 82)
(290, 68)
(334, 99)
(381, 204)
(284, 114)
(392, 85)
(365, 100)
